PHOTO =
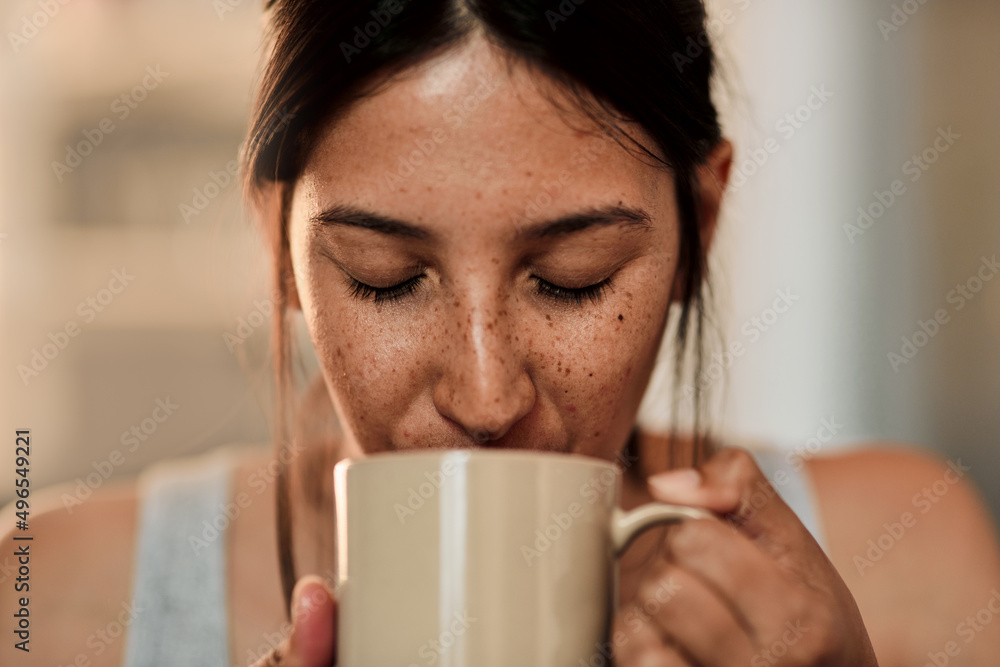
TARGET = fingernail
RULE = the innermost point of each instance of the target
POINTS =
(676, 480)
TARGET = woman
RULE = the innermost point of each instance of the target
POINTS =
(485, 212)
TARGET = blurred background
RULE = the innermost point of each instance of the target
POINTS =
(856, 276)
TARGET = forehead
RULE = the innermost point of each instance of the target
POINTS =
(466, 134)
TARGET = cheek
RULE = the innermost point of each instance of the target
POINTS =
(595, 371)
(598, 371)
(373, 363)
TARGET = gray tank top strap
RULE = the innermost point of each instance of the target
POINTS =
(179, 587)
(795, 488)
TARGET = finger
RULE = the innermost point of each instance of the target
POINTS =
(276, 658)
(731, 484)
(312, 641)
(653, 656)
(314, 623)
(637, 643)
(748, 581)
(693, 617)
(273, 659)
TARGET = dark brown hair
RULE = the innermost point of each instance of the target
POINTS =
(621, 61)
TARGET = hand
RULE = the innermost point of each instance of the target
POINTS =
(313, 639)
(753, 590)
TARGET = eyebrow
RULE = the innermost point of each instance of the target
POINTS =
(602, 216)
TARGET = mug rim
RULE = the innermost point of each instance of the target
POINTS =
(562, 458)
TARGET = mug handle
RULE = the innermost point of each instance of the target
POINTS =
(626, 526)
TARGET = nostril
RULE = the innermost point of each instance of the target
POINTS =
(481, 435)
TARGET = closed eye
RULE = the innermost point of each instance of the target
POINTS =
(574, 295)
(381, 295)
(571, 295)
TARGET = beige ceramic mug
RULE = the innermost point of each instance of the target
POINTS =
(480, 558)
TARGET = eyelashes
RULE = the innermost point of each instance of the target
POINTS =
(380, 295)
(573, 295)
(562, 295)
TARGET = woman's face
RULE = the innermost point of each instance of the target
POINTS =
(474, 272)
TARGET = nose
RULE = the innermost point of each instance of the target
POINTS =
(484, 386)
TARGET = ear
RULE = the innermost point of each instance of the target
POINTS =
(270, 212)
(710, 184)
(712, 178)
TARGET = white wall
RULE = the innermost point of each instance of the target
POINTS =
(858, 294)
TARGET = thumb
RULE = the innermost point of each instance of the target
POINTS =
(313, 639)
(731, 484)
(313, 642)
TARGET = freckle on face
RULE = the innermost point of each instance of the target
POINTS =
(475, 337)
